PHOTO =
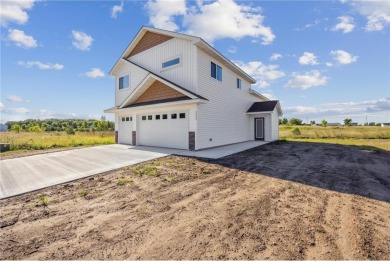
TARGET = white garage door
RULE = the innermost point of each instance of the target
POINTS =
(168, 130)
(125, 130)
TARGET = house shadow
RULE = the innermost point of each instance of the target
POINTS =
(363, 171)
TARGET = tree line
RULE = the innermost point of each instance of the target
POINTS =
(68, 125)
(324, 123)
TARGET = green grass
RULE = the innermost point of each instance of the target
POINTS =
(24, 141)
(365, 136)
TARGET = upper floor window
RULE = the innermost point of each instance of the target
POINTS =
(170, 63)
(124, 82)
(216, 71)
(238, 83)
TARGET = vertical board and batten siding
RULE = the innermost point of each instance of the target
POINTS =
(223, 119)
(275, 124)
(183, 74)
(136, 75)
(268, 126)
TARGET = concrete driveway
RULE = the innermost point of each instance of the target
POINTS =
(27, 174)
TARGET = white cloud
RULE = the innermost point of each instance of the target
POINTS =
(343, 57)
(95, 73)
(308, 59)
(42, 66)
(309, 25)
(227, 19)
(232, 49)
(81, 40)
(20, 110)
(262, 73)
(2, 105)
(275, 57)
(14, 98)
(329, 64)
(163, 12)
(21, 39)
(116, 9)
(14, 11)
(377, 13)
(306, 80)
(346, 24)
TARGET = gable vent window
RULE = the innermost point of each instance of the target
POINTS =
(124, 82)
(238, 83)
(170, 63)
(216, 71)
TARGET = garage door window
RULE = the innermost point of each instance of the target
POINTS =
(157, 117)
(182, 115)
(127, 118)
(144, 118)
(123, 118)
(150, 117)
(173, 116)
(165, 116)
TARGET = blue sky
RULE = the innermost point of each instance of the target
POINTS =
(321, 59)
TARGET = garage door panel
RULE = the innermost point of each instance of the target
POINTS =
(169, 133)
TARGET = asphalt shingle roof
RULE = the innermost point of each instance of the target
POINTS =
(263, 106)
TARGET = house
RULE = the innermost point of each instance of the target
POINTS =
(176, 91)
(332, 124)
(387, 124)
(3, 127)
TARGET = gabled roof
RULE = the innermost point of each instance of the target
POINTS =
(265, 106)
(197, 41)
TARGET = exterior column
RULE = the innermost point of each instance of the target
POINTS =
(116, 137)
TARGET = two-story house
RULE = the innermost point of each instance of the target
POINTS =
(176, 91)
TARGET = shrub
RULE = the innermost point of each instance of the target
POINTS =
(35, 129)
(296, 131)
(70, 131)
(295, 121)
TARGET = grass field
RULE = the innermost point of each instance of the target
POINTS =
(366, 136)
(48, 140)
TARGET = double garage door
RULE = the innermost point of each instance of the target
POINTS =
(168, 130)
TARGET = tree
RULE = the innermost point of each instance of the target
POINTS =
(295, 121)
(16, 127)
(284, 121)
(35, 129)
(347, 122)
(324, 123)
(312, 122)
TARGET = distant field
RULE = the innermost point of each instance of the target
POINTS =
(365, 136)
(48, 140)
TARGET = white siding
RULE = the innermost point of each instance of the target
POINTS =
(136, 75)
(223, 119)
(275, 124)
(184, 74)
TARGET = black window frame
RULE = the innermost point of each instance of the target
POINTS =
(158, 117)
(170, 63)
(239, 83)
(121, 81)
(127, 118)
(165, 116)
(216, 71)
(150, 117)
(143, 118)
(182, 114)
(173, 116)
(123, 118)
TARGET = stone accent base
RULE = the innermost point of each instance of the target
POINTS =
(134, 135)
(116, 137)
(191, 140)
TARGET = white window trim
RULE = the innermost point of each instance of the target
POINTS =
(127, 88)
(172, 66)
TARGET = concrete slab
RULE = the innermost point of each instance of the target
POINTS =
(21, 175)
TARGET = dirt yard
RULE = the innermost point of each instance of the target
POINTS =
(284, 200)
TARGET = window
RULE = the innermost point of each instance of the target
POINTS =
(150, 117)
(124, 82)
(238, 83)
(182, 115)
(170, 62)
(123, 119)
(144, 118)
(173, 116)
(127, 118)
(165, 116)
(216, 71)
(131, 118)
(157, 117)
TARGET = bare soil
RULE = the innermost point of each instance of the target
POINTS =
(285, 200)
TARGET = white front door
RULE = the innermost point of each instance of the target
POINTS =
(125, 130)
(166, 129)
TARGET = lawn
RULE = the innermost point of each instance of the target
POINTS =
(370, 137)
(26, 141)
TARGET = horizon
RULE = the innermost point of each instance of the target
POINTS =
(321, 64)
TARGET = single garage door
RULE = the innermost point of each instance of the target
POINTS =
(125, 130)
(168, 130)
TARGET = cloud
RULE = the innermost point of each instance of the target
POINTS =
(21, 39)
(81, 40)
(14, 98)
(308, 59)
(377, 13)
(227, 19)
(95, 73)
(306, 80)
(42, 66)
(309, 25)
(163, 12)
(232, 49)
(343, 57)
(20, 110)
(328, 64)
(116, 9)
(1, 106)
(346, 24)
(275, 57)
(263, 74)
(14, 11)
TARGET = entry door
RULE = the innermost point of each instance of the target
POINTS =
(259, 128)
